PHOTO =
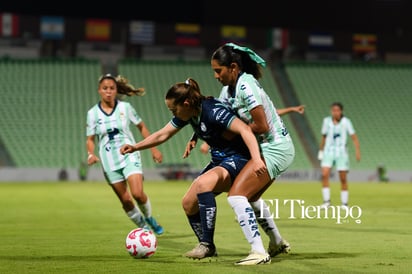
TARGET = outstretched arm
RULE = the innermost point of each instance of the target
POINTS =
(299, 109)
(357, 146)
(156, 154)
(156, 138)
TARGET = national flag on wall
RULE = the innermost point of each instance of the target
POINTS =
(235, 34)
(98, 29)
(52, 27)
(364, 42)
(279, 38)
(320, 41)
(9, 25)
(187, 34)
(142, 32)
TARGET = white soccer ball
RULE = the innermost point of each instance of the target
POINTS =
(141, 243)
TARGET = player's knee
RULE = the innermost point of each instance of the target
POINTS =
(188, 204)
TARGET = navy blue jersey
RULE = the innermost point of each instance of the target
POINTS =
(212, 126)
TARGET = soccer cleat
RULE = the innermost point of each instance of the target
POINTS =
(157, 228)
(325, 204)
(202, 250)
(255, 258)
(344, 206)
(282, 247)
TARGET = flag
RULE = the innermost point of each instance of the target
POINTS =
(52, 27)
(187, 34)
(98, 29)
(364, 42)
(235, 34)
(142, 32)
(9, 25)
(320, 41)
(279, 38)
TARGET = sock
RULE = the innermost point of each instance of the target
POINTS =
(136, 216)
(146, 208)
(195, 223)
(326, 194)
(266, 221)
(207, 210)
(344, 196)
(247, 221)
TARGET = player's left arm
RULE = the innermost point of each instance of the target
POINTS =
(299, 109)
(144, 131)
(357, 146)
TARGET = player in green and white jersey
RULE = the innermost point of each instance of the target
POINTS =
(238, 69)
(109, 122)
(334, 152)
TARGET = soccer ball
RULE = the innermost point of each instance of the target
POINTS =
(141, 243)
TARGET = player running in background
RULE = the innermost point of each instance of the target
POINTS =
(233, 143)
(109, 120)
(238, 69)
(334, 152)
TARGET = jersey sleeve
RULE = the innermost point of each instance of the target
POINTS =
(90, 125)
(324, 130)
(133, 116)
(177, 123)
(350, 128)
(250, 95)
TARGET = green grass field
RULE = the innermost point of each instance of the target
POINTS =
(81, 228)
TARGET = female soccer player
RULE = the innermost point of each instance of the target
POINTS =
(238, 69)
(333, 151)
(109, 120)
(233, 143)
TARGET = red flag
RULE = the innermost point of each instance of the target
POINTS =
(9, 25)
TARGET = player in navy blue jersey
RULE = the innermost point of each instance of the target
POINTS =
(233, 145)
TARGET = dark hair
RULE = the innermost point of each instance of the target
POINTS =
(226, 55)
(337, 104)
(123, 86)
(188, 90)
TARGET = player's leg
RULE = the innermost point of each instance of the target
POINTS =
(245, 186)
(203, 191)
(342, 166)
(326, 166)
(135, 179)
(119, 186)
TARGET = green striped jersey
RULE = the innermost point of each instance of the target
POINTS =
(113, 131)
(336, 134)
(250, 94)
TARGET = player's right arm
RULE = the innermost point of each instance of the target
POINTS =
(91, 157)
(322, 140)
(154, 139)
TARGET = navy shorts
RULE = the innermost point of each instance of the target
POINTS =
(233, 164)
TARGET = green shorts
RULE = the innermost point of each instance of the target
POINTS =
(120, 175)
(341, 162)
(278, 157)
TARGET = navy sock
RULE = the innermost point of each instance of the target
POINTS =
(194, 221)
(207, 210)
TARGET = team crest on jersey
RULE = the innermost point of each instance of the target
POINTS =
(121, 115)
(203, 127)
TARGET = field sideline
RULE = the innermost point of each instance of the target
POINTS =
(80, 227)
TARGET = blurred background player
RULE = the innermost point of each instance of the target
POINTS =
(110, 120)
(334, 152)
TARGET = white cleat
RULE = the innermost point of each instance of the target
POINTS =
(276, 249)
(325, 205)
(255, 258)
(344, 206)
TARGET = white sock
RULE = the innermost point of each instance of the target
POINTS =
(326, 194)
(146, 208)
(266, 221)
(344, 197)
(136, 216)
(247, 221)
